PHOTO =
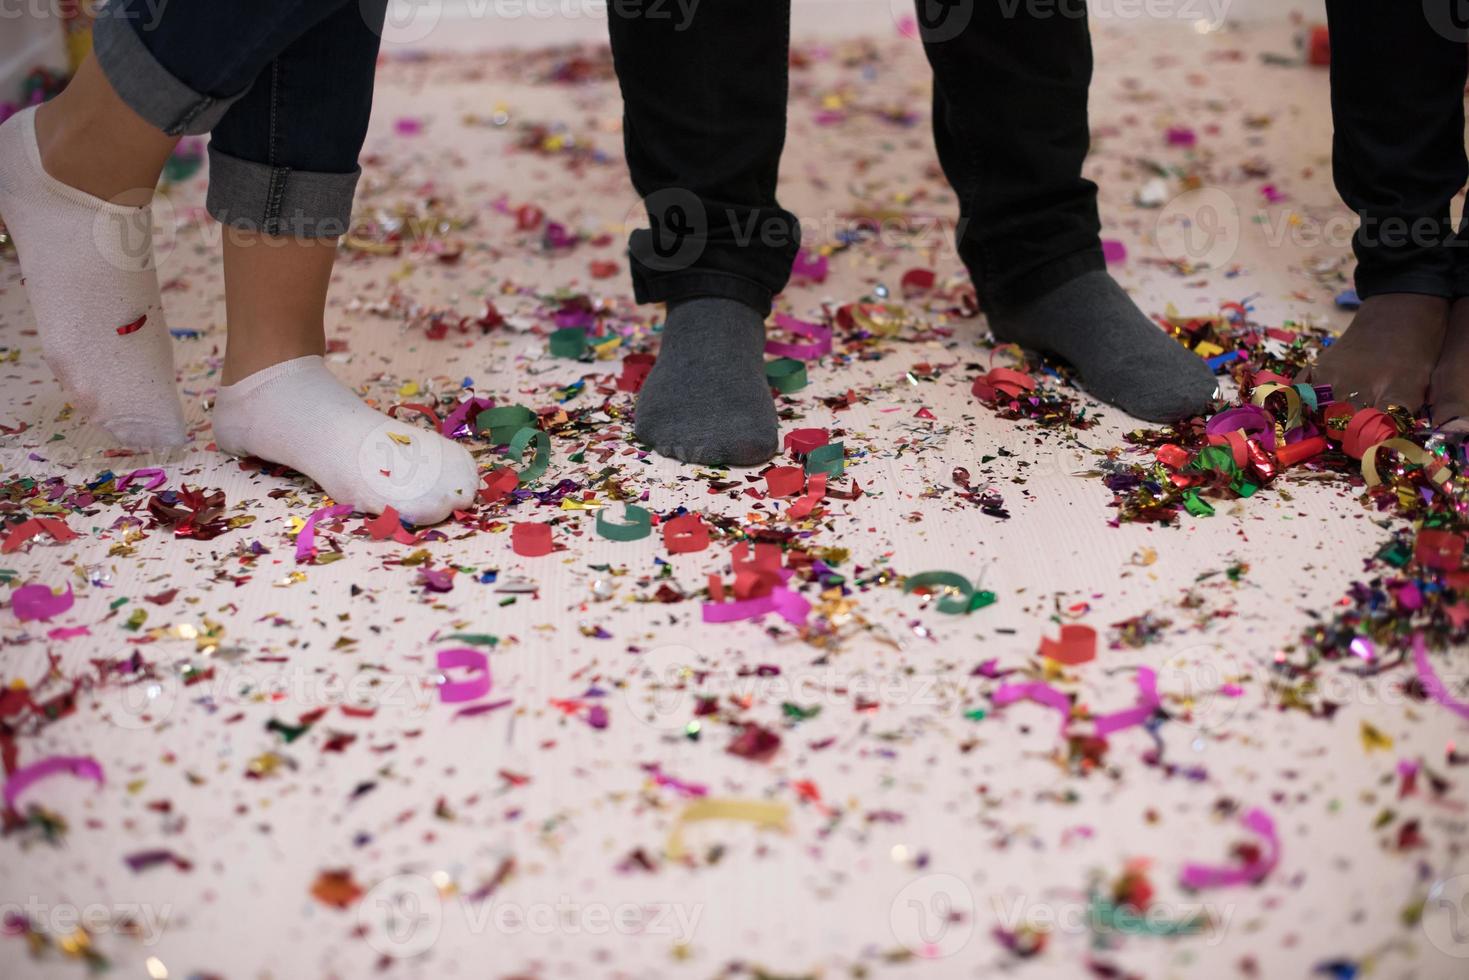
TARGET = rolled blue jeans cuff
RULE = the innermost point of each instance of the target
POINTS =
(279, 201)
(141, 81)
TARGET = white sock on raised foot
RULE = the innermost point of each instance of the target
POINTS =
(88, 268)
(298, 414)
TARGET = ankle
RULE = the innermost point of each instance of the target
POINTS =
(74, 150)
(241, 361)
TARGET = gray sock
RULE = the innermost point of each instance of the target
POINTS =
(706, 399)
(1122, 357)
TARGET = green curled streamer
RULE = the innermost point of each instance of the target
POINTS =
(830, 459)
(568, 342)
(786, 375)
(967, 601)
(636, 524)
(503, 422)
(542, 459)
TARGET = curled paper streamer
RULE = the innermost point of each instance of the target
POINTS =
(1002, 382)
(1147, 703)
(531, 539)
(1200, 876)
(815, 491)
(568, 342)
(830, 459)
(1037, 691)
(1293, 411)
(25, 530)
(636, 524)
(1366, 429)
(803, 441)
(1432, 684)
(685, 534)
(155, 477)
(472, 660)
(1246, 418)
(762, 813)
(781, 600)
(504, 422)
(1436, 470)
(819, 335)
(306, 540)
(1299, 452)
(33, 602)
(784, 481)
(456, 420)
(80, 766)
(966, 601)
(1076, 645)
(542, 459)
(786, 375)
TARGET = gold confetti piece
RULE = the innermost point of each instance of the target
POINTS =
(758, 812)
(1373, 738)
(400, 438)
(409, 389)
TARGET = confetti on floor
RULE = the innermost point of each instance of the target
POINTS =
(981, 678)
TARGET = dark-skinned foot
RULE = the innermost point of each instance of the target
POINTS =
(1387, 355)
(1449, 393)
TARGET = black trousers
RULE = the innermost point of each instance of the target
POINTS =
(704, 126)
(1398, 69)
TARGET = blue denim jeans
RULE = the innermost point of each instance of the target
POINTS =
(283, 87)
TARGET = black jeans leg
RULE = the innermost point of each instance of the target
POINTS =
(1397, 103)
(1010, 123)
(704, 125)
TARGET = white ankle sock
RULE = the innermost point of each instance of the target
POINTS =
(88, 268)
(298, 414)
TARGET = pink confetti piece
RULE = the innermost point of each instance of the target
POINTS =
(1113, 251)
(810, 266)
(465, 658)
(68, 632)
(306, 540)
(32, 602)
(155, 477)
(1200, 876)
(820, 335)
(483, 708)
(80, 766)
(1147, 697)
(1037, 691)
(780, 600)
(1433, 685)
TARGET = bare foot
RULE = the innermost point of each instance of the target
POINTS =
(1387, 355)
(1449, 395)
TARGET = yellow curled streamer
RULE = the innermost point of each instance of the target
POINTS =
(1412, 453)
(758, 812)
(1293, 415)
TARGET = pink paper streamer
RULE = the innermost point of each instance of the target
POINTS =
(1432, 684)
(32, 602)
(155, 477)
(470, 659)
(306, 540)
(801, 352)
(780, 600)
(1199, 876)
(1147, 703)
(81, 766)
(1037, 691)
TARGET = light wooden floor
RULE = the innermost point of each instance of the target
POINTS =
(898, 801)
